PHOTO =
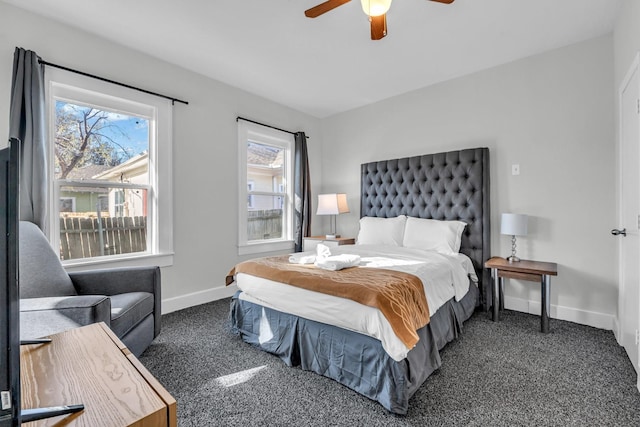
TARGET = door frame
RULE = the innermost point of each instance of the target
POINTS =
(634, 67)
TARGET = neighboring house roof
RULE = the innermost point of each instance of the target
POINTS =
(137, 165)
(86, 172)
(261, 155)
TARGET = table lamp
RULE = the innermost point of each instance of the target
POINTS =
(514, 225)
(332, 204)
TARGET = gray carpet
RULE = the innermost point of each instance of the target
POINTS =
(496, 374)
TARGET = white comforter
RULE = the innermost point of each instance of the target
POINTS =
(444, 277)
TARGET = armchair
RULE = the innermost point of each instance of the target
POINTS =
(52, 300)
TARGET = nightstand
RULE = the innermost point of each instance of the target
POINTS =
(310, 243)
(533, 271)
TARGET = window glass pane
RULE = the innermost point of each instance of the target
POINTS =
(265, 167)
(102, 221)
(265, 184)
(265, 218)
(98, 144)
(93, 144)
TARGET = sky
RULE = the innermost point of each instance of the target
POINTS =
(130, 132)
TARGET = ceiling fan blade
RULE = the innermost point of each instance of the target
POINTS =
(378, 26)
(325, 7)
(444, 1)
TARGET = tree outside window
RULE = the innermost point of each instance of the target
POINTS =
(101, 163)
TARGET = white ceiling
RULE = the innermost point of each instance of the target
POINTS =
(327, 65)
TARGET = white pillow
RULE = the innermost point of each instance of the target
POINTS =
(381, 231)
(432, 234)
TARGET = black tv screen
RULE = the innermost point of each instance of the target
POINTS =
(9, 290)
(10, 412)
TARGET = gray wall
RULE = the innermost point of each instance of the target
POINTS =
(204, 138)
(553, 115)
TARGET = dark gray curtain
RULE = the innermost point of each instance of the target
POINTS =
(302, 189)
(27, 123)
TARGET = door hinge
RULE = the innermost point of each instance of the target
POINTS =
(637, 337)
(638, 106)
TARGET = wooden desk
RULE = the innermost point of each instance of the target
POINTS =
(90, 365)
(533, 271)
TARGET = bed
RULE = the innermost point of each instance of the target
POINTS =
(355, 344)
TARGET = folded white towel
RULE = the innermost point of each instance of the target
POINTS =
(322, 251)
(301, 258)
(337, 262)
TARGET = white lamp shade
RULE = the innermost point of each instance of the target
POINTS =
(513, 224)
(375, 7)
(332, 204)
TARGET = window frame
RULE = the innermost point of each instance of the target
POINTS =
(259, 134)
(70, 87)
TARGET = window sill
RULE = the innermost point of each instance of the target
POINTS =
(257, 248)
(142, 260)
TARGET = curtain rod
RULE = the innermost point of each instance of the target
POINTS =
(269, 126)
(173, 100)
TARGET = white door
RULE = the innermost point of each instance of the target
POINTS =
(629, 245)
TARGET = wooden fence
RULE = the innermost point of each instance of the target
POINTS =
(90, 237)
(80, 237)
(264, 224)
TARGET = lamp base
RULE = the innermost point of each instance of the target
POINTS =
(513, 257)
(331, 236)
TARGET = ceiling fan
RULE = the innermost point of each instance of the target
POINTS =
(375, 9)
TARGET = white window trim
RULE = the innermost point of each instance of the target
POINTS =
(63, 85)
(262, 134)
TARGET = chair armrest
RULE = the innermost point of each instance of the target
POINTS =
(81, 309)
(120, 281)
(117, 281)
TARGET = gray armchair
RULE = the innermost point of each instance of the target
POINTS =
(52, 300)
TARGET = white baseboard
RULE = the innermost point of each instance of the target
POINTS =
(583, 317)
(616, 331)
(189, 300)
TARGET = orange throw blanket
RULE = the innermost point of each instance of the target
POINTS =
(399, 296)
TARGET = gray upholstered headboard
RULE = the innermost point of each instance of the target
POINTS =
(444, 186)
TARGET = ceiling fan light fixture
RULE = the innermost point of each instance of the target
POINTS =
(375, 7)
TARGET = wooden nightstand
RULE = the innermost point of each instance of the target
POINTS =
(310, 243)
(533, 271)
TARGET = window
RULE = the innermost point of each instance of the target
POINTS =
(265, 171)
(67, 204)
(109, 161)
(118, 204)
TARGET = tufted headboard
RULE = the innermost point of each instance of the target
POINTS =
(444, 186)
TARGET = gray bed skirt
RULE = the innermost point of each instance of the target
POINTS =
(355, 360)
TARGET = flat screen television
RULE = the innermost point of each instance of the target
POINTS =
(9, 291)
(10, 411)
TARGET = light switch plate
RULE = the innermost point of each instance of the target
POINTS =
(515, 169)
